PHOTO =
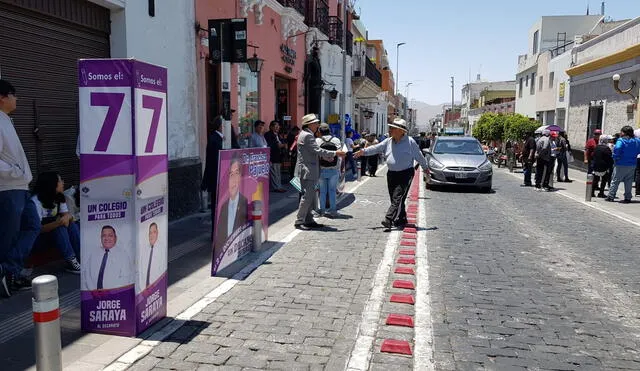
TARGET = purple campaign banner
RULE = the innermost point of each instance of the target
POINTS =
(104, 72)
(150, 77)
(109, 311)
(151, 304)
(150, 166)
(102, 166)
(152, 209)
(243, 186)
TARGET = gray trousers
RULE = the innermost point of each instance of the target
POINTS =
(307, 202)
(276, 176)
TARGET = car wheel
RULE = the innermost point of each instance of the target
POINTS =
(485, 189)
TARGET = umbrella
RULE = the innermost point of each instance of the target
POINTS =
(548, 127)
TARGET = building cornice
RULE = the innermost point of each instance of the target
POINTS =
(609, 60)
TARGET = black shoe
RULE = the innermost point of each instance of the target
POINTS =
(400, 223)
(387, 226)
(5, 291)
(609, 199)
(19, 284)
(625, 201)
(548, 189)
(73, 266)
(313, 225)
(526, 185)
(559, 180)
(568, 181)
(601, 195)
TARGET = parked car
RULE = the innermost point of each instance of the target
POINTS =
(458, 161)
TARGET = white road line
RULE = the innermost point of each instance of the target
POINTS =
(423, 346)
(595, 206)
(361, 354)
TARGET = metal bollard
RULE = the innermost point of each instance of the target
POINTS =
(46, 319)
(359, 166)
(256, 216)
(589, 190)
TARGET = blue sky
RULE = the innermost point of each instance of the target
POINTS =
(463, 37)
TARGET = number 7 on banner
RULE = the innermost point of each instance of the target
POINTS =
(114, 102)
(154, 104)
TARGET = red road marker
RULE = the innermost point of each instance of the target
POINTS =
(411, 221)
(396, 346)
(408, 243)
(400, 320)
(407, 252)
(402, 284)
(405, 270)
(402, 299)
(409, 236)
(402, 260)
(410, 230)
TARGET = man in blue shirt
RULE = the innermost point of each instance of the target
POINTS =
(399, 151)
(625, 154)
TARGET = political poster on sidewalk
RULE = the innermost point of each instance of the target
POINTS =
(243, 185)
(123, 175)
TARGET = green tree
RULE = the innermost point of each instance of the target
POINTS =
(517, 126)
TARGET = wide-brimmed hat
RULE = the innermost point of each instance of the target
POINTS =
(400, 124)
(324, 126)
(310, 118)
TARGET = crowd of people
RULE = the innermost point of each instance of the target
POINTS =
(47, 216)
(612, 159)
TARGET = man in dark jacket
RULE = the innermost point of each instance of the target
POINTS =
(528, 157)
(210, 176)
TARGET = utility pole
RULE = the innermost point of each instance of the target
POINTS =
(343, 96)
(452, 99)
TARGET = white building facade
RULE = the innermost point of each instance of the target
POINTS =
(548, 33)
(594, 103)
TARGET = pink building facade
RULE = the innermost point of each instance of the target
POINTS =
(276, 92)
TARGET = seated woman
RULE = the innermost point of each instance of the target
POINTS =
(57, 223)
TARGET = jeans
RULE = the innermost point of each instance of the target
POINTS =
(66, 239)
(352, 162)
(328, 184)
(563, 164)
(19, 229)
(622, 174)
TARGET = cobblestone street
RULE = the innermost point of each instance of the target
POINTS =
(299, 310)
(513, 285)
(531, 280)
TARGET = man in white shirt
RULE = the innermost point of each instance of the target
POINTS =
(20, 224)
(107, 267)
(153, 259)
(233, 213)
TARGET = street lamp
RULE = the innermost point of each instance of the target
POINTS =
(398, 64)
(616, 85)
(255, 63)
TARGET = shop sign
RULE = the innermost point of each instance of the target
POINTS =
(288, 57)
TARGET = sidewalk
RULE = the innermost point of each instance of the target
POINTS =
(314, 300)
(577, 190)
(189, 280)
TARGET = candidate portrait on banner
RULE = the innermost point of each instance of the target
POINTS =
(232, 214)
(153, 255)
(108, 265)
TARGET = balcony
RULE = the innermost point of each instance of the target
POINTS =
(318, 15)
(298, 5)
(335, 30)
(372, 73)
